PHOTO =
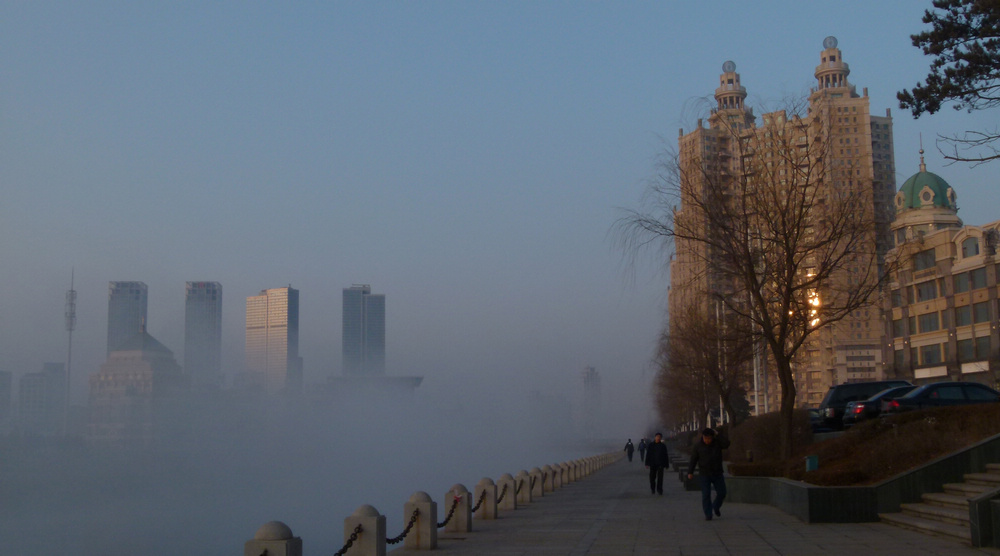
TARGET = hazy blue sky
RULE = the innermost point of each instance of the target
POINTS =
(466, 159)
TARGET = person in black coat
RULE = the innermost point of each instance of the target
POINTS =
(656, 461)
(629, 448)
(707, 455)
(642, 449)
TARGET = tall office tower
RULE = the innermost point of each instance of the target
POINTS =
(41, 401)
(203, 334)
(272, 349)
(858, 155)
(126, 311)
(363, 333)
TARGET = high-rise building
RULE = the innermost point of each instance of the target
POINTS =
(126, 311)
(272, 348)
(363, 333)
(203, 334)
(857, 155)
(130, 394)
(41, 401)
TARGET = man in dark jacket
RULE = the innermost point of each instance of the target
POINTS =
(629, 448)
(707, 455)
(642, 449)
(656, 461)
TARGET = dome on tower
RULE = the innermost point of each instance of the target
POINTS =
(925, 189)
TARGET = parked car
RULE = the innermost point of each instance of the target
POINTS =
(939, 394)
(862, 410)
(838, 396)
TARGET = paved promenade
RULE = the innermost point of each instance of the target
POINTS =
(611, 512)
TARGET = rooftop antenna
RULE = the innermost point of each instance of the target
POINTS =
(70, 325)
(923, 167)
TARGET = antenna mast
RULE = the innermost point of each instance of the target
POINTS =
(70, 325)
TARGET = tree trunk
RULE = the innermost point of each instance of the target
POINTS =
(787, 405)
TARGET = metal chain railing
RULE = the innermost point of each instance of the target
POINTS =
(399, 538)
(503, 492)
(519, 485)
(531, 487)
(451, 512)
(350, 541)
(482, 497)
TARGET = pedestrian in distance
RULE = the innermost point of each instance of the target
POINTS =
(642, 449)
(656, 461)
(707, 455)
(629, 448)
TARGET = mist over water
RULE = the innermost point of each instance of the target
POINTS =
(221, 468)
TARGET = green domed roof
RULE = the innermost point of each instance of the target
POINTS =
(925, 189)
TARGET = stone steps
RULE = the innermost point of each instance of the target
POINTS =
(946, 514)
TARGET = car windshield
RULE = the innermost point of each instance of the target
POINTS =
(892, 393)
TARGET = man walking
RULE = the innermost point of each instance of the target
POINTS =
(707, 455)
(656, 461)
(629, 449)
(642, 449)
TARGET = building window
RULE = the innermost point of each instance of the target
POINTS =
(930, 355)
(924, 260)
(983, 348)
(897, 328)
(926, 290)
(977, 278)
(961, 282)
(966, 351)
(970, 247)
(898, 358)
(929, 322)
(911, 325)
(896, 298)
(963, 315)
(981, 312)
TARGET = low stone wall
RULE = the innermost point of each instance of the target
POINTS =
(858, 504)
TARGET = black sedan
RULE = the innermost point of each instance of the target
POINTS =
(941, 394)
(874, 406)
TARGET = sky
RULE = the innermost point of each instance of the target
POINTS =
(466, 159)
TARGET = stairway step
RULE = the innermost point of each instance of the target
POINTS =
(928, 526)
(993, 467)
(965, 489)
(946, 500)
(953, 516)
(988, 479)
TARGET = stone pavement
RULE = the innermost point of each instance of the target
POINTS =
(611, 512)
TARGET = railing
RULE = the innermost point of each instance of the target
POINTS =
(364, 530)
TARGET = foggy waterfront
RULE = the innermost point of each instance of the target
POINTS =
(219, 477)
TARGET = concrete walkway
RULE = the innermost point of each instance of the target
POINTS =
(611, 512)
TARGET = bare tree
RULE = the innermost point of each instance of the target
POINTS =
(705, 358)
(789, 246)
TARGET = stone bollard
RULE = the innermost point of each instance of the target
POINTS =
(556, 471)
(547, 478)
(371, 539)
(523, 487)
(424, 535)
(564, 472)
(275, 539)
(486, 490)
(537, 482)
(506, 499)
(571, 471)
(461, 521)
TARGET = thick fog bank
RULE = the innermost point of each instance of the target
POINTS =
(218, 469)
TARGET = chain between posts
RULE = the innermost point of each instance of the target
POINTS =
(406, 531)
(519, 485)
(482, 497)
(350, 541)
(451, 512)
(532, 485)
(503, 492)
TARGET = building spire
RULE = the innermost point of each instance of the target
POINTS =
(923, 167)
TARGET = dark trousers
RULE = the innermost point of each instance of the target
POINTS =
(707, 482)
(629, 455)
(642, 455)
(656, 478)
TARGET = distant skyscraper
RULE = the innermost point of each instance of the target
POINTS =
(41, 400)
(126, 311)
(272, 349)
(363, 333)
(203, 334)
